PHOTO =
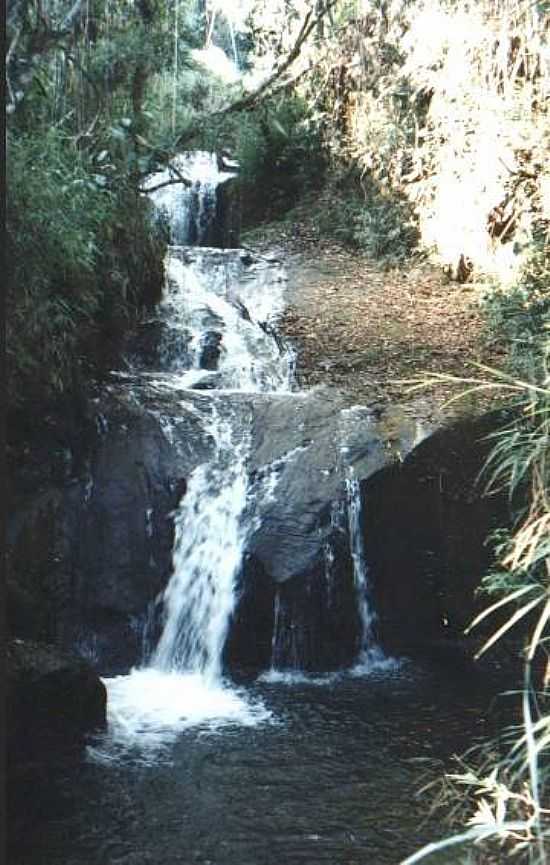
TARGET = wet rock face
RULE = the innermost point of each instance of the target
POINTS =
(306, 446)
(90, 557)
(87, 559)
(54, 699)
(308, 622)
(425, 524)
(298, 606)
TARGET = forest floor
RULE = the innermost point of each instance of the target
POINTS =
(365, 328)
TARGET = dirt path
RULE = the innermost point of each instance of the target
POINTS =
(363, 328)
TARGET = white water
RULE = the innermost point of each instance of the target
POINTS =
(370, 655)
(148, 709)
(210, 536)
(188, 207)
(212, 291)
(225, 292)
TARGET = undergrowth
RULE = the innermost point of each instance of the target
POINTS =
(83, 259)
(281, 157)
(519, 317)
(377, 222)
(499, 796)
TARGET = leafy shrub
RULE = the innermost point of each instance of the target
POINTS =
(520, 317)
(82, 260)
(379, 223)
(279, 150)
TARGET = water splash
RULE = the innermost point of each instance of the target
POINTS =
(218, 315)
(148, 709)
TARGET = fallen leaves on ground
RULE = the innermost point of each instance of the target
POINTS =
(363, 329)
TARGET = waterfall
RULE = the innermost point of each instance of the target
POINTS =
(185, 194)
(217, 338)
(208, 550)
(288, 643)
(370, 654)
(217, 323)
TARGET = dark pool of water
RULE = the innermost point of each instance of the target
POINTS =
(332, 780)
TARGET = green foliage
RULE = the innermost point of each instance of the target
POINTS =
(502, 794)
(82, 260)
(379, 223)
(185, 105)
(279, 150)
(520, 317)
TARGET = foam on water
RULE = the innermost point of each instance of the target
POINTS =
(149, 708)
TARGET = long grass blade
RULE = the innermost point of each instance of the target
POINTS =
(477, 833)
(538, 631)
(516, 617)
(508, 599)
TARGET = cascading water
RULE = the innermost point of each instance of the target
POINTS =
(370, 654)
(210, 534)
(217, 335)
(186, 194)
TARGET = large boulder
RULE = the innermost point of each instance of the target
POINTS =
(90, 558)
(87, 558)
(53, 700)
(298, 604)
(426, 523)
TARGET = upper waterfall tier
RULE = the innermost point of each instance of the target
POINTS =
(187, 194)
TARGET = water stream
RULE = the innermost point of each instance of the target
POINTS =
(293, 767)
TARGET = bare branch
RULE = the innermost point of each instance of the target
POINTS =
(172, 182)
(251, 99)
(179, 178)
(71, 15)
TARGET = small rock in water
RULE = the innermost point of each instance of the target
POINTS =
(210, 353)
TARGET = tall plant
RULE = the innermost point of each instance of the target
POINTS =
(509, 794)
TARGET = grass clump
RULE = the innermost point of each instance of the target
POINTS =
(379, 223)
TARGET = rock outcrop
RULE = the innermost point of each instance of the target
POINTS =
(53, 700)
(90, 558)
(426, 523)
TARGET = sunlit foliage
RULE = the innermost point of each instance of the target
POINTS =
(447, 104)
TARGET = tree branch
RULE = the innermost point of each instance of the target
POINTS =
(67, 22)
(171, 182)
(180, 178)
(251, 99)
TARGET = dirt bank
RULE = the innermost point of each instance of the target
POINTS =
(364, 328)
